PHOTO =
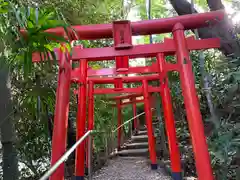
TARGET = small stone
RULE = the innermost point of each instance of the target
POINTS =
(129, 169)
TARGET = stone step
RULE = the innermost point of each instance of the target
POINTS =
(136, 158)
(133, 152)
(141, 133)
(136, 145)
(140, 138)
(143, 128)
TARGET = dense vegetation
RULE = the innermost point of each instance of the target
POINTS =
(28, 90)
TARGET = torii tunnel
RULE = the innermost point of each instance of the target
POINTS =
(121, 52)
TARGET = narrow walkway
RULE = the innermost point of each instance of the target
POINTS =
(129, 168)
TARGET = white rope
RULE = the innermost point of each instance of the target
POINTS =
(65, 156)
(70, 151)
(129, 121)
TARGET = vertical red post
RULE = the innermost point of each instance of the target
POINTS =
(169, 120)
(90, 110)
(152, 103)
(61, 114)
(81, 120)
(148, 116)
(200, 148)
(119, 122)
(135, 121)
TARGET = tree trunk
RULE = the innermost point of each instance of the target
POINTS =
(224, 30)
(215, 5)
(9, 156)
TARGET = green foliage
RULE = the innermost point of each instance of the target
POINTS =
(223, 137)
(33, 141)
(224, 144)
(224, 141)
(87, 11)
(36, 21)
(35, 84)
(104, 122)
(3, 7)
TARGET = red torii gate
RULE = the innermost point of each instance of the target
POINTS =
(132, 100)
(122, 51)
(119, 104)
(145, 91)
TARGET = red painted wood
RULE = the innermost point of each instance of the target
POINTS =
(136, 120)
(81, 119)
(119, 122)
(148, 117)
(129, 103)
(169, 117)
(61, 116)
(156, 26)
(125, 90)
(90, 112)
(125, 96)
(130, 70)
(137, 51)
(200, 148)
(127, 79)
(122, 34)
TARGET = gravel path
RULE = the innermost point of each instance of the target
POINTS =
(127, 168)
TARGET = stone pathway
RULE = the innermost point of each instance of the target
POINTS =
(129, 168)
